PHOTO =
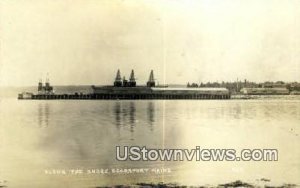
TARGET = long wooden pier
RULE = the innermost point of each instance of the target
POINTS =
(122, 96)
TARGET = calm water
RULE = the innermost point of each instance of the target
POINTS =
(41, 135)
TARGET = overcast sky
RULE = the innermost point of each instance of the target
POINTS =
(85, 42)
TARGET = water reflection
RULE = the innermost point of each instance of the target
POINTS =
(43, 114)
(132, 116)
(237, 111)
(151, 114)
(127, 114)
(117, 112)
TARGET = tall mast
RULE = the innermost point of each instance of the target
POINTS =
(118, 76)
(47, 81)
(118, 79)
(47, 78)
(132, 81)
(151, 77)
(40, 85)
(151, 81)
(132, 78)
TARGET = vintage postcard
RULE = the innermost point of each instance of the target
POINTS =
(141, 93)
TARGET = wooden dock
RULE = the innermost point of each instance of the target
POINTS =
(123, 97)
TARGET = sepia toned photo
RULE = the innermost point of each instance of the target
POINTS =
(140, 93)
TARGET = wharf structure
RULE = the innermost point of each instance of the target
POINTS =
(123, 89)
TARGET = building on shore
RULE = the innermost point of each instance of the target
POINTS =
(265, 91)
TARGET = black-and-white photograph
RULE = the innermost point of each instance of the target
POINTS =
(141, 93)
